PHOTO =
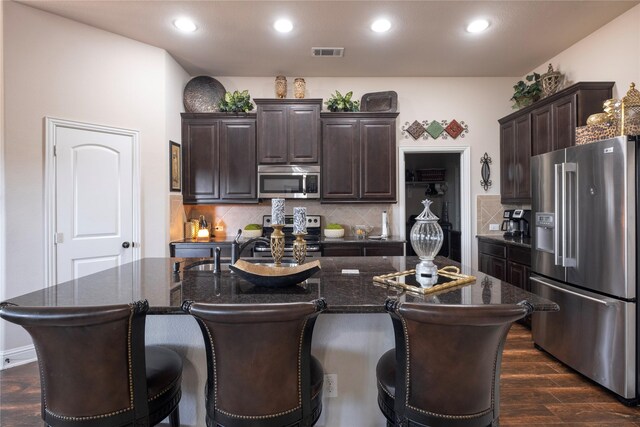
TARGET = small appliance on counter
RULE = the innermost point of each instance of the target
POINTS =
(509, 223)
(521, 217)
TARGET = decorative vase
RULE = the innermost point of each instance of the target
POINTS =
(299, 87)
(281, 87)
(426, 239)
(299, 248)
(550, 81)
(277, 244)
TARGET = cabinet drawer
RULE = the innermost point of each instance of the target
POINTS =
(341, 250)
(493, 249)
(193, 253)
(520, 255)
(387, 249)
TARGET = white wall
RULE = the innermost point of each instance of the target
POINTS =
(3, 242)
(59, 68)
(611, 53)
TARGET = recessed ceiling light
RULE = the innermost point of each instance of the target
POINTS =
(478, 26)
(283, 25)
(381, 25)
(185, 24)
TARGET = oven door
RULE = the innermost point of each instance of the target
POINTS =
(289, 182)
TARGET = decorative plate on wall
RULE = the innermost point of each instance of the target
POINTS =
(202, 95)
(382, 102)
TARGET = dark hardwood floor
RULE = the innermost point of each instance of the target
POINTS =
(536, 390)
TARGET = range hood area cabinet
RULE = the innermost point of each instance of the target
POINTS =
(546, 125)
(358, 157)
(288, 131)
(219, 158)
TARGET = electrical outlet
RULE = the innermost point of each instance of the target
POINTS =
(331, 385)
(494, 227)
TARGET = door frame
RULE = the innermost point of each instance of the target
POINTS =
(50, 187)
(465, 191)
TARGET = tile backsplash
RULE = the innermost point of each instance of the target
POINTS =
(234, 217)
(489, 211)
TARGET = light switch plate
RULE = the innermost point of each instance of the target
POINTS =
(494, 227)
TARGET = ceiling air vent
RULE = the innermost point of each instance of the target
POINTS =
(327, 51)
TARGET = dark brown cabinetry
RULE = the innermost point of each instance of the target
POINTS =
(218, 158)
(505, 261)
(288, 130)
(515, 156)
(547, 125)
(339, 249)
(359, 157)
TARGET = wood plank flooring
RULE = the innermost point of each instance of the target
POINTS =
(536, 390)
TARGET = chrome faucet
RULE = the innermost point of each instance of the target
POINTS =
(237, 247)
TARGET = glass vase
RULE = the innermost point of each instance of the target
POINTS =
(426, 239)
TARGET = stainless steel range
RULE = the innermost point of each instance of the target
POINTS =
(314, 230)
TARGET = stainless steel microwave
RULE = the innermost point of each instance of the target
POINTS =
(289, 181)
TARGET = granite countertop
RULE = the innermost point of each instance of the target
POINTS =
(154, 279)
(516, 241)
(226, 239)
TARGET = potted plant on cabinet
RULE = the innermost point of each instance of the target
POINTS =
(337, 102)
(236, 102)
(526, 94)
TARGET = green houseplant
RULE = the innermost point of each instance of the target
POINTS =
(337, 102)
(236, 102)
(525, 94)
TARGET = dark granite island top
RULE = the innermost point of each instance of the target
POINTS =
(153, 279)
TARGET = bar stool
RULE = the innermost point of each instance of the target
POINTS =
(445, 369)
(259, 363)
(94, 368)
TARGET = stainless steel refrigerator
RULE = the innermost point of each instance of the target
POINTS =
(584, 257)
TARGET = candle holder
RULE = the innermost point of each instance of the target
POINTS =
(299, 248)
(277, 244)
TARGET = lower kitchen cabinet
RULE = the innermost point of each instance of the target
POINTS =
(362, 249)
(194, 249)
(506, 261)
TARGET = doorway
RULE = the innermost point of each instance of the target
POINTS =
(92, 199)
(440, 174)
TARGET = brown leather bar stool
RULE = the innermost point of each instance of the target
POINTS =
(94, 367)
(260, 369)
(445, 369)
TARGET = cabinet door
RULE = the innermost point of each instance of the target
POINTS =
(378, 160)
(200, 160)
(522, 159)
(340, 159)
(341, 249)
(303, 133)
(507, 161)
(518, 275)
(542, 135)
(564, 122)
(238, 159)
(496, 267)
(272, 134)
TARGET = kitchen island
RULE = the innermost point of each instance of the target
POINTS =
(349, 336)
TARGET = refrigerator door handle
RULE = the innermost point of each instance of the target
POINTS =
(567, 224)
(557, 249)
(567, 291)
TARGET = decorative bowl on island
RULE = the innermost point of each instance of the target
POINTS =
(271, 276)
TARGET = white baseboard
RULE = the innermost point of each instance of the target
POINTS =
(17, 356)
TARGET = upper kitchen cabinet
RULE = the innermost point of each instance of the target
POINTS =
(288, 130)
(547, 125)
(359, 157)
(218, 158)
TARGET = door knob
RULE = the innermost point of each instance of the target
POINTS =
(125, 245)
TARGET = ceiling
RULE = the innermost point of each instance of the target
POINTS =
(427, 38)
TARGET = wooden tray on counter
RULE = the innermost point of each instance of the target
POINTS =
(448, 277)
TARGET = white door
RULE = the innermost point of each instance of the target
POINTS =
(94, 205)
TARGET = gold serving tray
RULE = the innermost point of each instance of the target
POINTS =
(449, 272)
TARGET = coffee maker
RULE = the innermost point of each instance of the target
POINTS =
(522, 217)
(509, 223)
